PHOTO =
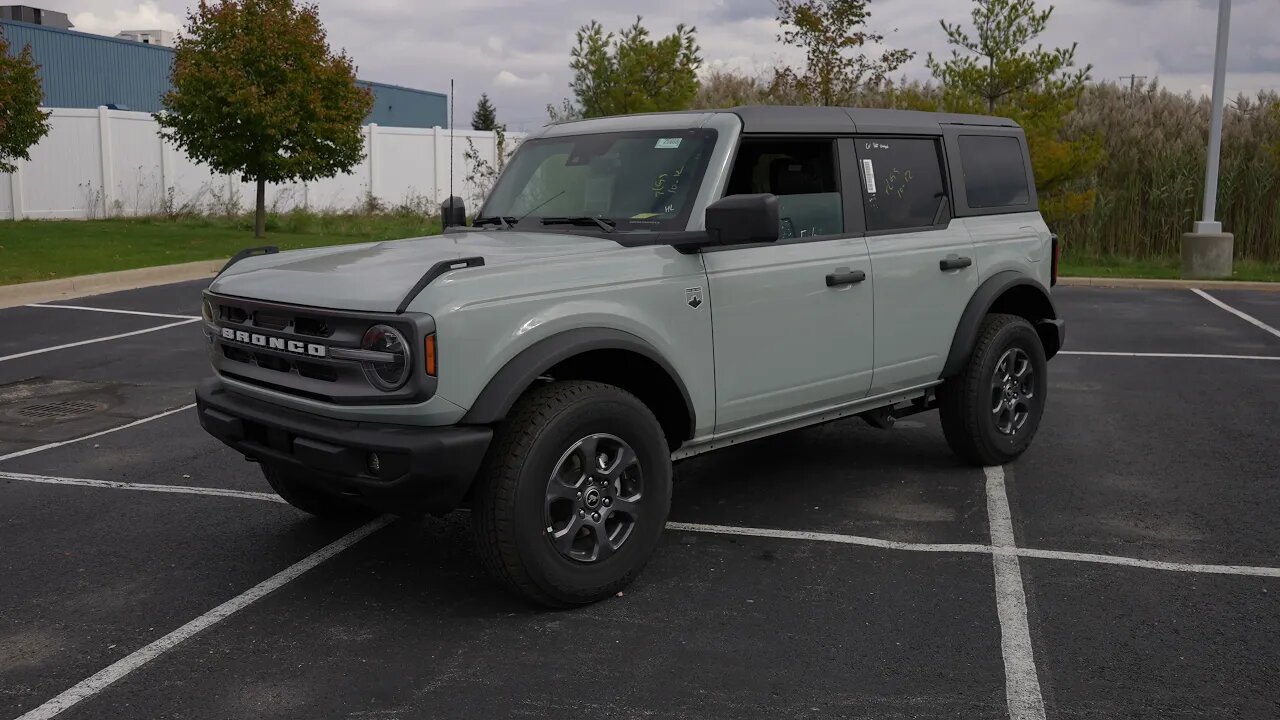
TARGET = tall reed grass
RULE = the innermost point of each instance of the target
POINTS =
(1150, 181)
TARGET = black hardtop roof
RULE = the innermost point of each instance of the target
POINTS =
(792, 119)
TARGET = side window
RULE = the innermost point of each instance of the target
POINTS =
(902, 184)
(802, 173)
(995, 174)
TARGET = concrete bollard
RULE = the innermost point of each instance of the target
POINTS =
(1206, 256)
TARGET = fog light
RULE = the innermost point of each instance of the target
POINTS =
(375, 463)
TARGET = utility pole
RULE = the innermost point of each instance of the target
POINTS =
(1206, 250)
(1133, 80)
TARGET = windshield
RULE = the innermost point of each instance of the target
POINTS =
(643, 180)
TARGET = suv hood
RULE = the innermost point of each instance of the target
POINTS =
(375, 277)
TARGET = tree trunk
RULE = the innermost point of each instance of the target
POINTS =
(260, 210)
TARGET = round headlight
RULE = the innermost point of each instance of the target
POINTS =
(387, 374)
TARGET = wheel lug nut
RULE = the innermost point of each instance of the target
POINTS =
(608, 502)
(579, 493)
(595, 516)
(582, 513)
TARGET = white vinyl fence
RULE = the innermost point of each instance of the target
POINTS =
(109, 163)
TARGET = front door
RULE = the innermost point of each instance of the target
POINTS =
(792, 320)
(924, 261)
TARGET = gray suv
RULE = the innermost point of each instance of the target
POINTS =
(637, 290)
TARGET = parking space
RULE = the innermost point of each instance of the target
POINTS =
(719, 627)
(839, 571)
(1125, 643)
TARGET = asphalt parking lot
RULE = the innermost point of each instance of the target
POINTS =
(1126, 566)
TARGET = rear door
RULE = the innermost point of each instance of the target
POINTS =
(923, 259)
(996, 197)
(792, 320)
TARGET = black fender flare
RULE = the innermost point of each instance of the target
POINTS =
(1050, 328)
(506, 386)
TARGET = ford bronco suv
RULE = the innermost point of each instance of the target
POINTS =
(634, 291)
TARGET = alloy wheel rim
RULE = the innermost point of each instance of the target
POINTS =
(593, 498)
(1013, 389)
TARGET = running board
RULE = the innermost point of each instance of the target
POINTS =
(886, 400)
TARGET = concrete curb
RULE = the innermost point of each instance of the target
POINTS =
(1172, 284)
(85, 285)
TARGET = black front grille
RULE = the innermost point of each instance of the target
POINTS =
(275, 346)
(232, 314)
(312, 327)
(271, 322)
(315, 371)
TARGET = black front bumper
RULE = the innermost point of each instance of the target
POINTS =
(420, 469)
(1053, 335)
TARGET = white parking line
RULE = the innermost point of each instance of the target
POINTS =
(837, 538)
(1247, 570)
(1243, 316)
(113, 310)
(115, 671)
(829, 537)
(1022, 685)
(135, 423)
(29, 353)
(149, 487)
(1197, 356)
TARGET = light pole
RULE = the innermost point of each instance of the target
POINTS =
(1206, 250)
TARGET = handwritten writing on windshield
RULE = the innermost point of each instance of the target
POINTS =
(667, 183)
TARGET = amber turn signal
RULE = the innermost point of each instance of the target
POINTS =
(430, 354)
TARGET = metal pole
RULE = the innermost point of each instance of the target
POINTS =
(1207, 223)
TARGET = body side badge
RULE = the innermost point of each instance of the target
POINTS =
(693, 296)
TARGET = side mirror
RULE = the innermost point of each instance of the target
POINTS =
(743, 219)
(453, 212)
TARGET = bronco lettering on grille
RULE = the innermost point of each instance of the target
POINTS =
(274, 343)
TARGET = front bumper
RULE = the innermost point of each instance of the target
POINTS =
(420, 469)
(1053, 335)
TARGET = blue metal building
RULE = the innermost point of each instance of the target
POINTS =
(81, 70)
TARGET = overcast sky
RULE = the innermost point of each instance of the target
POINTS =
(518, 51)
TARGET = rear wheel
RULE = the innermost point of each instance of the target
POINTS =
(991, 410)
(574, 493)
(289, 485)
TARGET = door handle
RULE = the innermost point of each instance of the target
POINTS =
(954, 262)
(845, 277)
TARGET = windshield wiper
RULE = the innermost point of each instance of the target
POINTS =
(604, 224)
(506, 221)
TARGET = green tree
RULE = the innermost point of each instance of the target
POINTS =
(630, 72)
(832, 34)
(22, 122)
(257, 91)
(485, 116)
(999, 71)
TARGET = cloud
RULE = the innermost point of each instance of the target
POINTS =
(506, 78)
(518, 50)
(142, 16)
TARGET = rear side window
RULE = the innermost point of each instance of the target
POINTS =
(902, 186)
(995, 174)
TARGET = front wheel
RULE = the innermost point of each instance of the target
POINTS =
(574, 493)
(991, 410)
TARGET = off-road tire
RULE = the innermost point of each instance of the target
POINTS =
(328, 507)
(510, 493)
(965, 400)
